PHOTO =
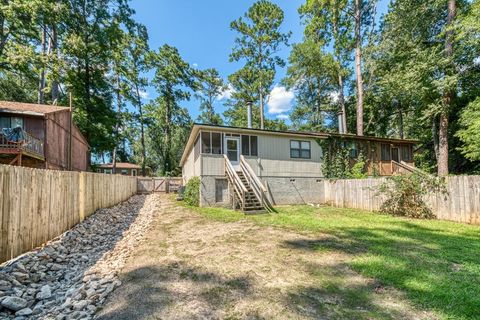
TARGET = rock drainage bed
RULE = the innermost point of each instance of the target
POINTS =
(71, 276)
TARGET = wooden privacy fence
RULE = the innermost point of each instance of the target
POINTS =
(38, 205)
(461, 204)
(158, 184)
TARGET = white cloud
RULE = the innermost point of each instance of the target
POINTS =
(227, 93)
(280, 100)
(144, 95)
(283, 116)
(195, 65)
(334, 96)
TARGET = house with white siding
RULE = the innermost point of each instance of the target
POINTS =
(253, 169)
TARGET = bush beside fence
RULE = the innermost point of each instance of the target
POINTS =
(38, 205)
(461, 204)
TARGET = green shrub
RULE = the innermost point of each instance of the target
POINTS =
(192, 192)
(358, 170)
(405, 194)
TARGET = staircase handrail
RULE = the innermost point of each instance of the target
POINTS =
(409, 168)
(257, 186)
(235, 180)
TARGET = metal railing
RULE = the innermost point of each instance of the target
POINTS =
(257, 186)
(29, 144)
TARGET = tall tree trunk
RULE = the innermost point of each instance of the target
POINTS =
(54, 51)
(41, 83)
(342, 113)
(358, 66)
(341, 103)
(435, 137)
(142, 129)
(117, 123)
(87, 100)
(166, 165)
(261, 108)
(442, 167)
(400, 122)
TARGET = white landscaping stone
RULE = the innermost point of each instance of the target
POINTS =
(71, 276)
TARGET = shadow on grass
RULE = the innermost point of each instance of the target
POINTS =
(147, 293)
(436, 269)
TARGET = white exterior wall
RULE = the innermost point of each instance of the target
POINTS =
(213, 165)
(191, 167)
(274, 158)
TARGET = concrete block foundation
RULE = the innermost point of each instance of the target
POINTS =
(214, 191)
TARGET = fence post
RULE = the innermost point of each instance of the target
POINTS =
(81, 196)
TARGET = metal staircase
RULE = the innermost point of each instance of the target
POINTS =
(247, 192)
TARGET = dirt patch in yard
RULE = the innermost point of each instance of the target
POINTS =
(190, 267)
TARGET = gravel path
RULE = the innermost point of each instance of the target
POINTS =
(71, 276)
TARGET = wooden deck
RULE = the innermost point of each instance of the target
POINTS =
(30, 147)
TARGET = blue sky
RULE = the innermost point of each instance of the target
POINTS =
(201, 32)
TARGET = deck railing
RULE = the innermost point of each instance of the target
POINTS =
(403, 167)
(29, 144)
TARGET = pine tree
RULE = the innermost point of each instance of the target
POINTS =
(257, 44)
(210, 86)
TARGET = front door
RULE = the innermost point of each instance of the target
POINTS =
(395, 155)
(232, 149)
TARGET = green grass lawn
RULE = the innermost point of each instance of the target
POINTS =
(435, 263)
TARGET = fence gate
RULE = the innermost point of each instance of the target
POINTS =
(158, 184)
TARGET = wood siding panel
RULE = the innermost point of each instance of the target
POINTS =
(212, 165)
(274, 158)
(35, 127)
(188, 169)
(38, 205)
(461, 204)
(57, 144)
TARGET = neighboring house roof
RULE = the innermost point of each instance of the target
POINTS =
(35, 109)
(29, 108)
(321, 135)
(120, 165)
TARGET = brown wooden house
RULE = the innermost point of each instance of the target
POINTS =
(51, 138)
(123, 168)
(383, 156)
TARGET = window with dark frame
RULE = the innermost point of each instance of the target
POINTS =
(11, 122)
(16, 122)
(206, 139)
(300, 149)
(216, 143)
(4, 122)
(249, 145)
(407, 153)
(385, 152)
(245, 145)
(353, 150)
(254, 146)
(211, 142)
